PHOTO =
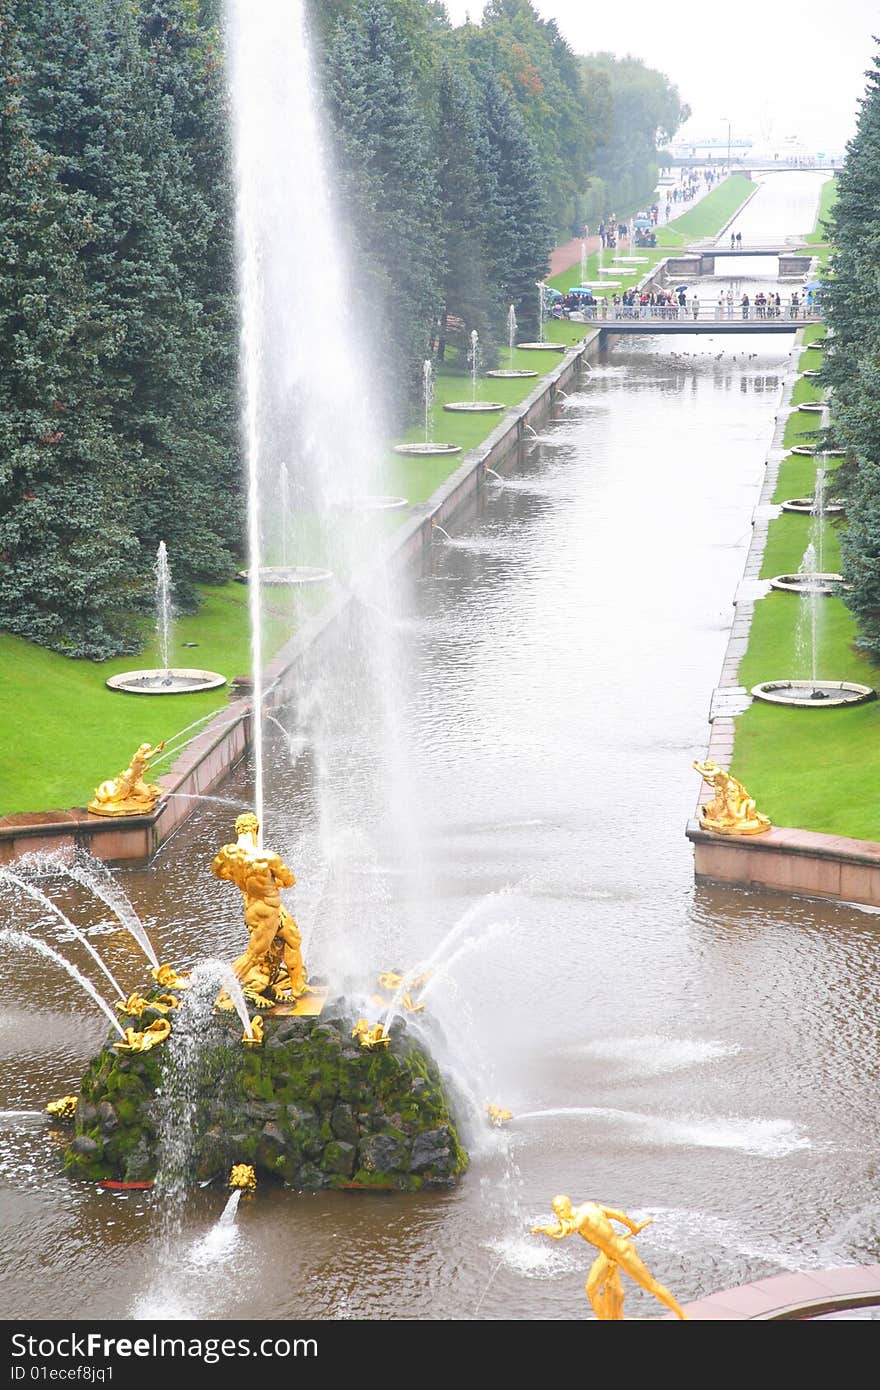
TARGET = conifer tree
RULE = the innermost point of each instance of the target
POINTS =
(68, 555)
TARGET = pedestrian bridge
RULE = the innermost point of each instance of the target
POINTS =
(661, 318)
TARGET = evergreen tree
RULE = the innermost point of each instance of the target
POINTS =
(463, 159)
(852, 361)
(388, 194)
(68, 556)
(518, 234)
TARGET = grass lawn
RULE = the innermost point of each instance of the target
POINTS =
(816, 769)
(827, 199)
(709, 215)
(812, 768)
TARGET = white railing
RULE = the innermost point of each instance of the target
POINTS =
(703, 313)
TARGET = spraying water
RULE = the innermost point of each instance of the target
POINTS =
(541, 307)
(474, 360)
(96, 877)
(164, 606)
(512, 326)
(809, 621)
(23, 942)
(817, 522)
(41, 898)
(285, 509)
(428, 395)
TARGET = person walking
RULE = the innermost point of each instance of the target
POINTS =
(729, 298)
(732, 241)
(745, 306)
(695, 306)
(739, 241)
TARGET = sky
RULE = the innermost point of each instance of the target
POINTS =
(778, 73)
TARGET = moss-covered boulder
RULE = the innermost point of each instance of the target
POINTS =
(309, 1107)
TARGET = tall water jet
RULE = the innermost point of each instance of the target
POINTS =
(474, 358)
(511, 332)
(165, 679)
(583, 262)
(428, 394)
(164, 607)
(308, 399)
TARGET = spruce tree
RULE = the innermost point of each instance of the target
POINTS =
(68, 555)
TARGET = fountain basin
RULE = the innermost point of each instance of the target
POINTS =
(373, 504)
(287, 575)
(832, 507)
(816, 582)
(811, 407)
(509, 373)
(541, 347)
(177, 680)
(477, 407)
(818, 694)
(426, 450)
(631, 260)
(812, 372)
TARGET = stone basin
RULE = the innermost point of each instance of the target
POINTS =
(818, 694)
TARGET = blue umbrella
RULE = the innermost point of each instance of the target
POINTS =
(814, 285)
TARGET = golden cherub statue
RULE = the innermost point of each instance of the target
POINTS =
(243, 1176)
(370, 1035)
(604, 1288)
(273, 959)
(169, 978)
(63, 1109)
(392, 980)
(255, 1039)
(498, 1116)
(149, 1038)
(731, 811)
(128, 794)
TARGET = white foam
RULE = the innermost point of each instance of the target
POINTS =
(658, 1053)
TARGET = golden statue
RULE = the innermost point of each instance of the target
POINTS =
(391, 982)
(143, 1042)
(273, 959)
(128, 794)
(370, 1036)
(604, 1288)
(731, 811)
(497, 1116)
(133, 1006)
(255, 1039)
(242, 1175)
(63, 1109)
(169, 978)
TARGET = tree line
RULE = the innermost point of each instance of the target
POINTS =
(462, 155)
(851, 365)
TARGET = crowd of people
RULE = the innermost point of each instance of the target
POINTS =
(676, 303)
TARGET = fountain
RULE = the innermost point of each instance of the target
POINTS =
(428, 448)
(813, 584)
(542, 345)
(330, 1103)
(474, 358)
(511, 346)
(166, 679)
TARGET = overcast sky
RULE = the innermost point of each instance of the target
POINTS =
(774, 70)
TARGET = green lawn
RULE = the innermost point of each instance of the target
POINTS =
(812, 768)
(827, 200)
(709, 215)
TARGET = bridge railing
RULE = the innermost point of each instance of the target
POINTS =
(704, 312)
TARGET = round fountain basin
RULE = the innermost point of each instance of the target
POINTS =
(816, 582)
(476, 407)
(541, 347)
(283, 576)
(510, 373)
(607, 270)
(811, 407)
(178, 680)
(373, 504)
(427, 449)
(597, 285)
(818, 694)
(833, 507)
(632, 260)
(812, 372)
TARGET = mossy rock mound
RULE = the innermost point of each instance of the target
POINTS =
(310, 1107)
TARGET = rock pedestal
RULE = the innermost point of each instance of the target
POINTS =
(310, 1107)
